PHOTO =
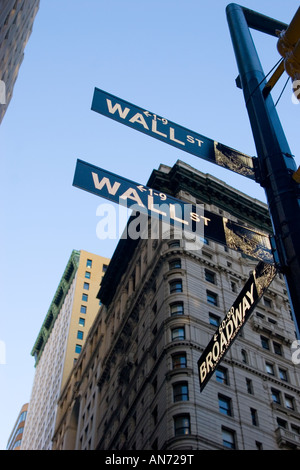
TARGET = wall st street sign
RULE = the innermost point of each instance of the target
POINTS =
(173, 134)
(138, 197)
(234, 321)
(188, 217)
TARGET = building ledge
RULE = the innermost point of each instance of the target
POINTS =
(287, 438)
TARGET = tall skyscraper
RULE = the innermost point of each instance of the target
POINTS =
(59, 343)
(136, 385)
(15, 438)
(16, 22)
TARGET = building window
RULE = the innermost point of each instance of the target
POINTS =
(83, 308)
(277, 348)
(225, 405)
(260, 315)
(295, 429)
(244, 356)
(78, 348)
(104, 268)
(268, 302)
(182, 425)
(281, 423)
(270, 368)
(81, 321)
(89, 263)
(265, 342)
(289, 402)
(228, 437)
(178, 334)
(254, 418)
(174, 244)
(214, 319)
(86, 285)
(175, 286)
(79, 334)
(84, 297)
(222, 375)
(283, 375)
(212, 298)
(87, 275)
(180, 392)
(210, 276)
(179, 361)
(276, 396)
(175, 264)
(249, 386)
(177, 308)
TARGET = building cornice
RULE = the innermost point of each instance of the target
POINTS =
(56, 304)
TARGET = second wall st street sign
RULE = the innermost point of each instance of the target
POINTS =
(189, 217)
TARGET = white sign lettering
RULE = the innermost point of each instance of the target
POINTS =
(138, 118)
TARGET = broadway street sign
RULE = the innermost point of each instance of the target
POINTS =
(162, 129)
(234, 320)
(188, 217)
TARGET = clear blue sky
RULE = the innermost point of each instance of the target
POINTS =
(174, 58)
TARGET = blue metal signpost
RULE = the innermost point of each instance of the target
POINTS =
(172, 134)
(276, 162)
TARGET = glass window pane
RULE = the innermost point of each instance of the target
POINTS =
(179, 361)
(228, 438)
(214, 319)
(225, 405)
(180, 392)
(178, 333)
(175, 264)
(176, 309)
(176, 286)
(182, 425)
(212, 298)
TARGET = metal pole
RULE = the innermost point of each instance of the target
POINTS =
(276, 164)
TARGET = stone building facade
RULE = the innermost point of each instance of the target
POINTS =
(16, 23)
(59, 343)
(135, 385)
